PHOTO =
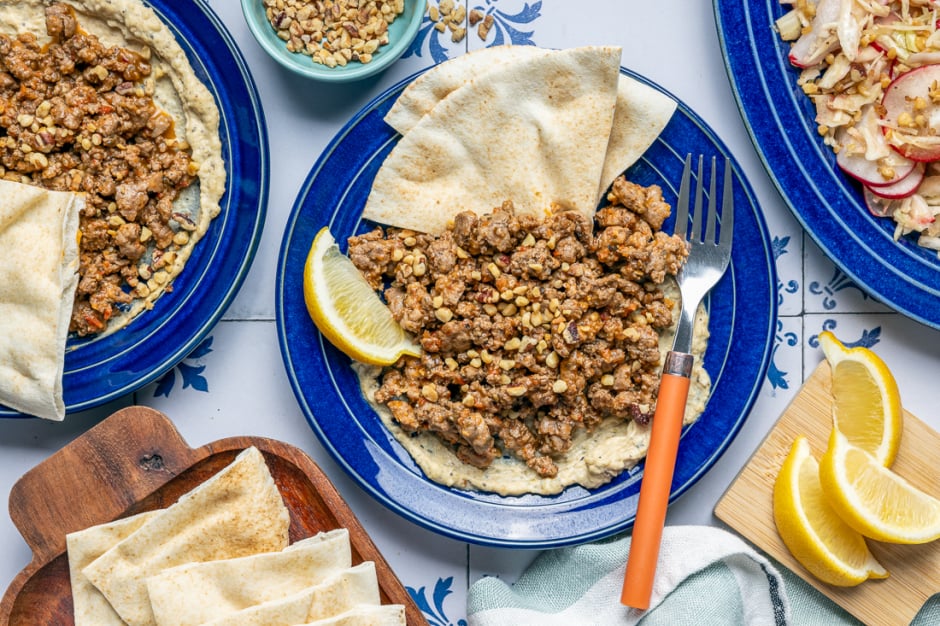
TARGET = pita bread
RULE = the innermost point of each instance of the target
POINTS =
(640, 115)
(237, 512)
(38, 279)
(428, 89)
(535, 132)
(381, 615)
(198, 592)
(91, 608)
(337, 594)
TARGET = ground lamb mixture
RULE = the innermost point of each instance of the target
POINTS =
(77, 116)
(531, 329)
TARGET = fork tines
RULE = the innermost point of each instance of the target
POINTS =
(712, 218)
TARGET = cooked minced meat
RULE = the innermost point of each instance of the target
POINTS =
(75, 115)
(531, 329)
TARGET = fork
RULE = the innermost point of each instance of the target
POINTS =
(707, 261)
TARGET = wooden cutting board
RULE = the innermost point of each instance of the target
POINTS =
(136, 461)
(747, 507)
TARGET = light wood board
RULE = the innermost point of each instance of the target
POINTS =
(747, 507)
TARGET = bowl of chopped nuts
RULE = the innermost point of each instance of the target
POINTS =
(342, 40)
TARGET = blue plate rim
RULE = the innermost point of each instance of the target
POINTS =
(85, 386)
(760, 355)
(827, 204)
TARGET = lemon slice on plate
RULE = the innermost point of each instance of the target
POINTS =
(866, 403)
(872, 499)
(817, 537)
(347, 310)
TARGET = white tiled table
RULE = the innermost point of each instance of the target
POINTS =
(672, 42)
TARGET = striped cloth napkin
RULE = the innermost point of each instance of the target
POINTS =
(705, 576)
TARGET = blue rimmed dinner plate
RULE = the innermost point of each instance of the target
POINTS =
(829, 205)
(98, 370)
(743, 311)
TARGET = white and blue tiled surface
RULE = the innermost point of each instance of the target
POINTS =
(234, 383)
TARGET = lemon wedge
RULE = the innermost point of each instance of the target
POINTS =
(866, 404)
(817, 537)
(347, 310)
(872, 499)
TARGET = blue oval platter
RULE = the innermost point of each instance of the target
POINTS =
(829, 205)
(743, 314)
(98, 370)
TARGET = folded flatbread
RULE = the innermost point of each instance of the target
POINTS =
(337, 594)
(91, 608)
(535, 132)
(237, 512)
(198, 592)
(363, 615)
(38, 278)
(640, 115)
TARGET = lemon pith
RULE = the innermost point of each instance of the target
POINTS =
(866, 404)
(347, 311)
(873, 500)
(811, 530)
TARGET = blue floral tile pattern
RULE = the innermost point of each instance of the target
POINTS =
(433, 609)
(191, 373)
(507, 27)
(777, 377)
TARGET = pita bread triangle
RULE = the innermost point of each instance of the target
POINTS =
(640, 115)
(38, 279)
(237, 512)
(534, 132)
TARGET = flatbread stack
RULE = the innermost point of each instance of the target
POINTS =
(220, 556)
(540, 127)
(38, 279)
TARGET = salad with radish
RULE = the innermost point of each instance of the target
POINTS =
(872, 70)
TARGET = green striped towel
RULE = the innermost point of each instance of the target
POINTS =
(705, 576)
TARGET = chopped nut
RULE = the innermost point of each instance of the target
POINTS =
(483, 30)
(559, 386)
(444, 314)
(336, 32)
(429, 392)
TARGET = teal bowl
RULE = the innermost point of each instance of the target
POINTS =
(401, 33)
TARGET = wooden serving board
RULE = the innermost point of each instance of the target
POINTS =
(136, 461)
(747, 507)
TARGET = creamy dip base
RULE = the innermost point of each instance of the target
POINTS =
(594, 459)
(176, 89)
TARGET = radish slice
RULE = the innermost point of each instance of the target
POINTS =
(813, 46)
(914, 142)
(878, 206)
(867, 172)
(903, 188)
(866, 166)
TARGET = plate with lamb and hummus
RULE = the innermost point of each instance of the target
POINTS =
(517, 228)
(134, 173)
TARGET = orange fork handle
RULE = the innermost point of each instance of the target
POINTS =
(654, 491)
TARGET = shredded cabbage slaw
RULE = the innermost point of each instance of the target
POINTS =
(850, 53)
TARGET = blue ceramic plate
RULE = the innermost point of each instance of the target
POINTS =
(827, 203)
(743, 309)
(100, 370)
